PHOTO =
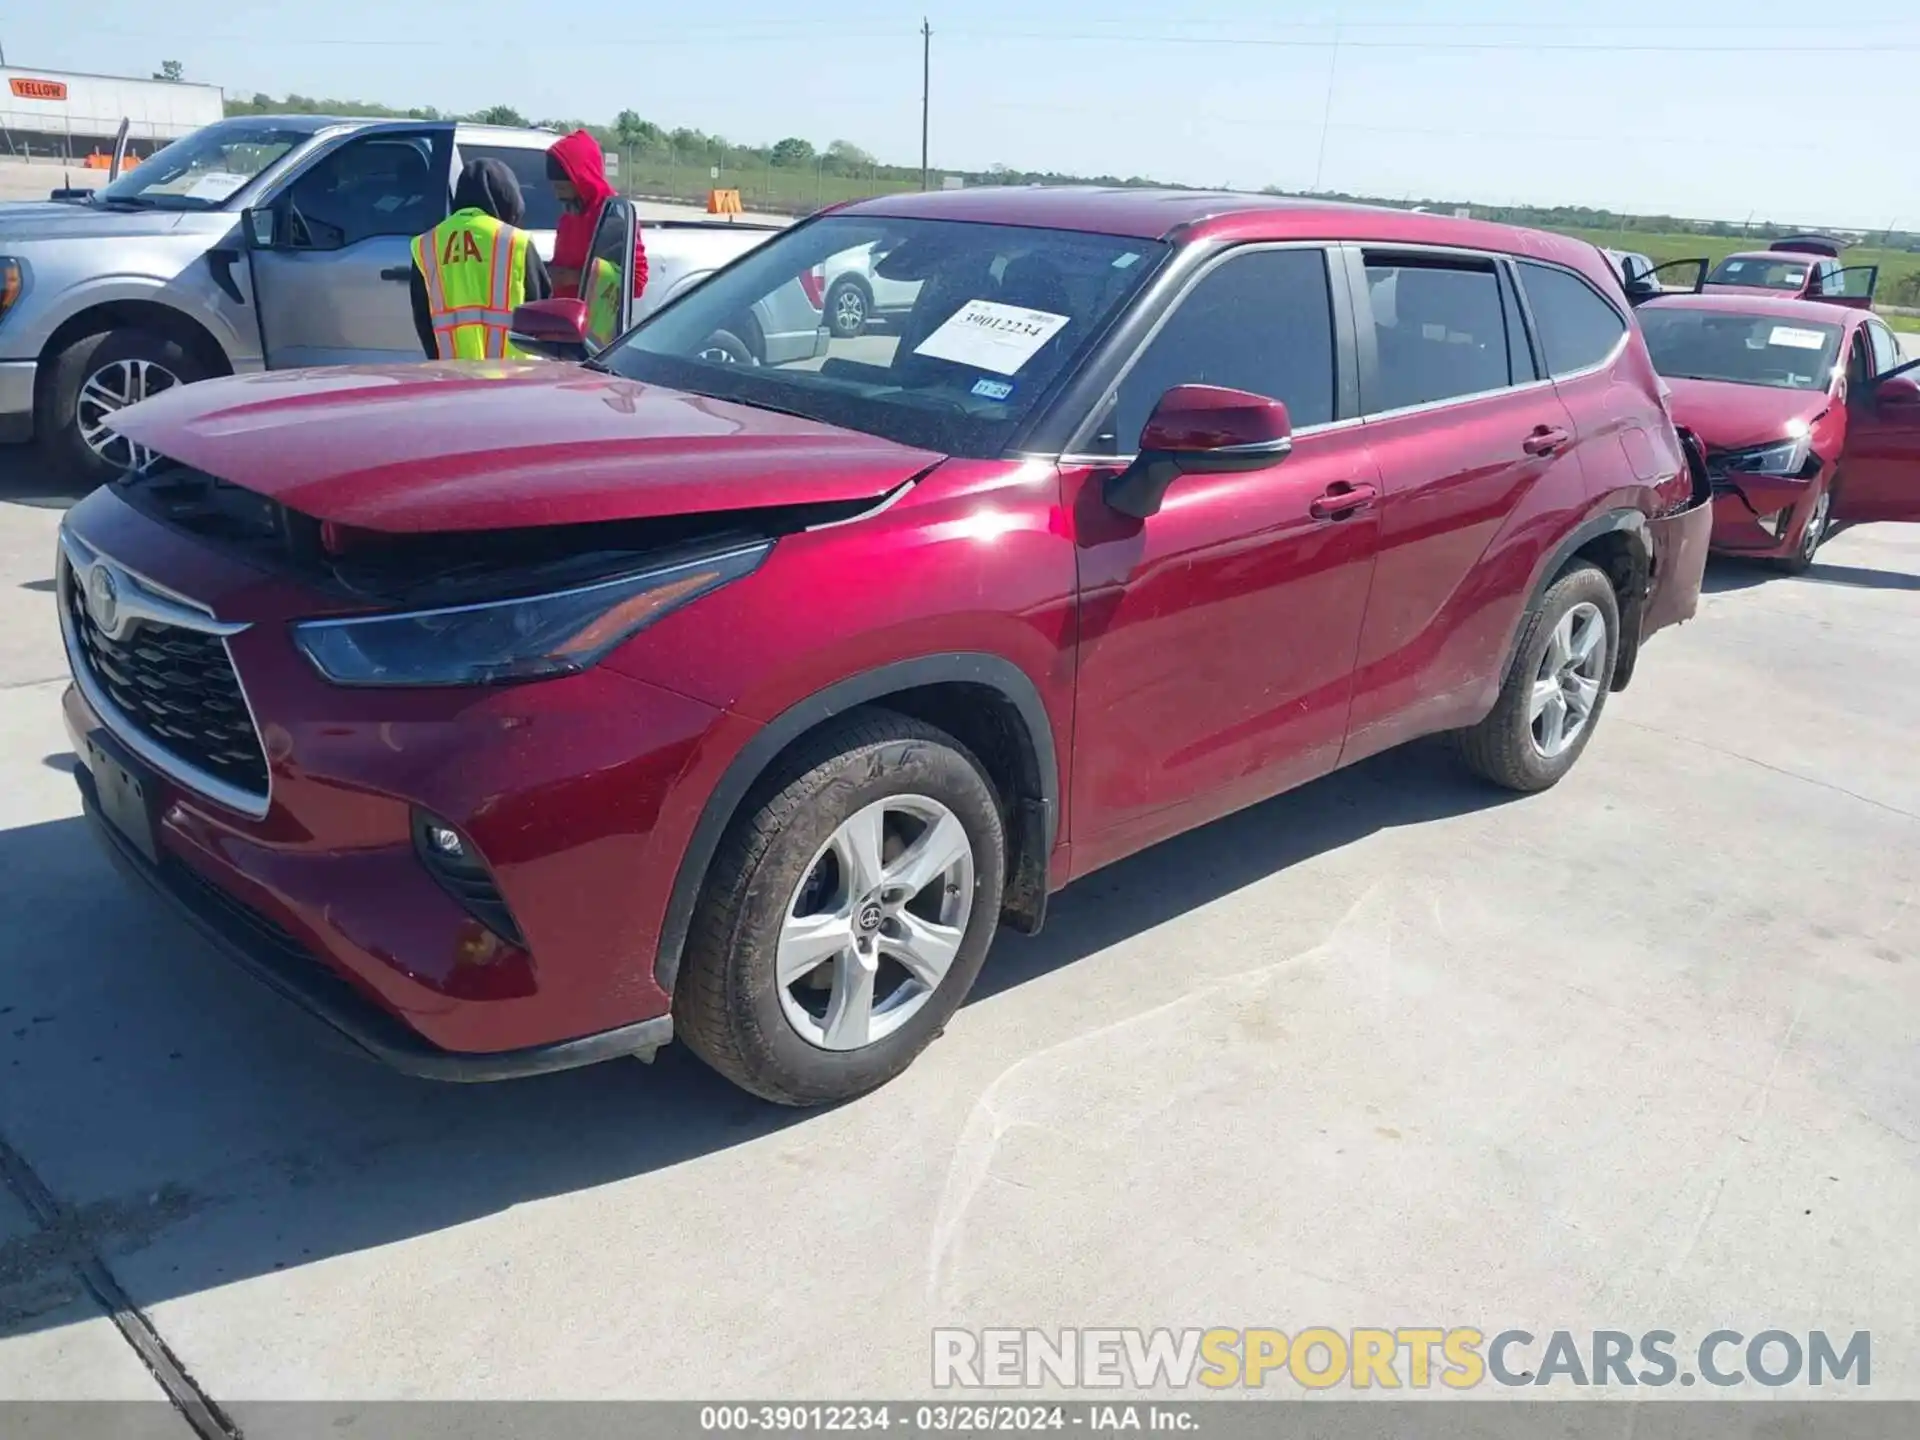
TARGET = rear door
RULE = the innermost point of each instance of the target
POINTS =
(1478, 454)
(331, 280)
(1880, 464)
(1217, 636)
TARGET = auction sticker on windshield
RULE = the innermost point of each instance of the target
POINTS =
(986, 335)
(1796, 339)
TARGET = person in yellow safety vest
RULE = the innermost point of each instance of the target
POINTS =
(472, 269)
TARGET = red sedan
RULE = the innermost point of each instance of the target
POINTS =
(1810, 418)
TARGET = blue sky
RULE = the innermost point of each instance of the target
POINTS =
(1502, 101)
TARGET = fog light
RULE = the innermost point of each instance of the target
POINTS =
(446, 841)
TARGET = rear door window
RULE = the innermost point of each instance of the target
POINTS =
(529, 167)
(1578, 329)
(1260, 322)
(1440, 332)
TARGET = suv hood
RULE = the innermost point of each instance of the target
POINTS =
(434, 447)
(1731, 417)
(58, 220)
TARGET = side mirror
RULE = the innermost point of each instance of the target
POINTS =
(258, 228)
(550, 329)
(1200, 430)
(1897, 392)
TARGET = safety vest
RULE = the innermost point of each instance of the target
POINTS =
(604, 279)
(476, 272)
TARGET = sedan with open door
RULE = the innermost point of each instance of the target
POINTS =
(1810, 418)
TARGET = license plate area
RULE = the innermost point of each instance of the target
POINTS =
(126, 793)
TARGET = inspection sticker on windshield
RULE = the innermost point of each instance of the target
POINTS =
(1796, 339)
(986, 335)
(993, 389)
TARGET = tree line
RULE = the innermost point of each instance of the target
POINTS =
(637, 139)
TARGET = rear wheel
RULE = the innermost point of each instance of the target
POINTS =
(1555, 692)
(92, 380)
(723, 347)
(846, 916)
(1801, 560)
(847, 310)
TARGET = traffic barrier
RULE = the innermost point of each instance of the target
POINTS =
(723, 202)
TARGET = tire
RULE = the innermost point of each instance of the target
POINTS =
(782, 858)
(727, 348)
(1506, 748)
(849, 308)
(1812, 537)
(71, 402)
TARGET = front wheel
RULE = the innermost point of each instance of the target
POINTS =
(846, 914)
(1557, 687)
(88, 383)
(1801, 560)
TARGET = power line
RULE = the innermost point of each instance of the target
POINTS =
(1277, 43)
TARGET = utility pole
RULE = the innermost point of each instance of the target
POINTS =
(926, 91)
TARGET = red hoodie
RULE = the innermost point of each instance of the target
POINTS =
(580, 156)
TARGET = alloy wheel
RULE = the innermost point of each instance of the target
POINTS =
(110, 389)
(1816, 530)
(1567, 684)
(875, 923)
(849, 312)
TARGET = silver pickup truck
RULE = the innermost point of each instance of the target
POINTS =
(271, 242)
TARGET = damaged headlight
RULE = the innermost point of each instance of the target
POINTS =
(1784, 457)
(530, 638)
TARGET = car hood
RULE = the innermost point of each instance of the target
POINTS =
(1730, 417)
(504, 445)
(57, 220)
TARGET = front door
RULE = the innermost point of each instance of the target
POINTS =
(1217, 637)
(332, 286)
(1880, 464)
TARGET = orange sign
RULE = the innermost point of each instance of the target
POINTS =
(723, 202)
(37, 89)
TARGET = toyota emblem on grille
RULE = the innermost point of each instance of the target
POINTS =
(103, 597)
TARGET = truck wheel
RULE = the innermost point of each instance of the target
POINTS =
(1556, 690)
(88, 382)
(723, 347)
(846, 914)
(847, 310)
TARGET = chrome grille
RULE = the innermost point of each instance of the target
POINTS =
(171, 688)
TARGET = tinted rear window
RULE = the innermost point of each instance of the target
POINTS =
(1577, 328)
(530, 169)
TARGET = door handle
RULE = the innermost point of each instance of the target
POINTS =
(1342, 499)
(397, 272)
(1544, 440)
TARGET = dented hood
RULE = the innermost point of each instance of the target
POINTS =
(504, 445)
(1731, 417)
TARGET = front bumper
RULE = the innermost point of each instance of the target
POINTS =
(275, 958)
(1747, 508)
(17, 378)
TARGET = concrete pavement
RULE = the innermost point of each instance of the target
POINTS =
(1637, 1053)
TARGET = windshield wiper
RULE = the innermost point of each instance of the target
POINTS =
(132, 202)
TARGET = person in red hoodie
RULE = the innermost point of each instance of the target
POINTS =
(578, 170)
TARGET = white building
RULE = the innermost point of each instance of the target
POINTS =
(61, 113)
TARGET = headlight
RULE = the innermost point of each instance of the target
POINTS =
(505, 640)
(1784, 457)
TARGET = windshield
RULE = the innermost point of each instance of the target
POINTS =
(966, 329)
(1760, 273)
(1742, 349)
(202, 171)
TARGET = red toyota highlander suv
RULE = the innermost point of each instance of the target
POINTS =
(510, 716)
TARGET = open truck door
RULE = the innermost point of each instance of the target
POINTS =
(1880, 462)
(1650, 283)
